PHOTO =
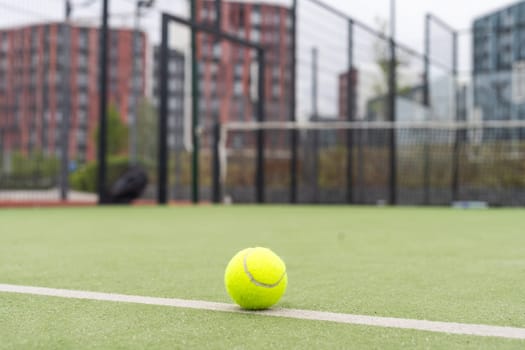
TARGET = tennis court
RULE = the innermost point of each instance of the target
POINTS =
(435, 264)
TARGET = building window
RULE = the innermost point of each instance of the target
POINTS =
(82, 79)
(213, 88)
(83, 39)
(82, 99)
(81, 136)
(172, 68)
(173, 103)
(82, 117)
(217, 50)
(82, 61)
(238, 70)
(276, 90)
(215, 104)
(255, 35)
(256, 17)
(237, 88)
(213, 68)
(173, 85)
(202, 106)
(276, 72)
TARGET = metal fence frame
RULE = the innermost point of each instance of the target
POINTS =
(163, 108)
(438, 77)
(391, 110)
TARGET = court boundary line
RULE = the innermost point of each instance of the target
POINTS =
(363, 320)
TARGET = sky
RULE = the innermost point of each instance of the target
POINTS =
(410, 13)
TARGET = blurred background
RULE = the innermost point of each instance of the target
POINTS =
(388, 103)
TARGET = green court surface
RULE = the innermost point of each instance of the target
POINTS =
(436, 264)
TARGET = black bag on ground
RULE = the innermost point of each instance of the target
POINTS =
(129, 186)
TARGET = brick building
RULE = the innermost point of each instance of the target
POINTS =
(228, 71)
(342, 100)
(35, 60)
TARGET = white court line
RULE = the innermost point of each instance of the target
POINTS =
(389, 322)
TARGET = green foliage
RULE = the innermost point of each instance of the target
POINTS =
(117, 133)
(493, 167)
(33, 171)
(85, 178)
(35, 164)
(147, 132)
(382, 57)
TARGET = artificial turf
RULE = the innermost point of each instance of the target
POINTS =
(438, 264)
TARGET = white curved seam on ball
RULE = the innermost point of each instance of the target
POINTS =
(254, 281)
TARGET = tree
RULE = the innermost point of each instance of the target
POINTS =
(147, 139)
(378, 107)
(382, 58)
(117, 133)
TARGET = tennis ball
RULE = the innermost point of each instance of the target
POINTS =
(255, 278)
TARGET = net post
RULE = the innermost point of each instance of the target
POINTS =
(163, 115)
(350, 114)
(259, 171)
(194, 108)
(102, 139)
(426, 103)
(392, 91)
(293, 107)
(456, 150)
(216, 165)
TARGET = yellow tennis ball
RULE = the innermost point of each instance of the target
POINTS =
(255, 278)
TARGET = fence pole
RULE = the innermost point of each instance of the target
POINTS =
(392, 87)
(163, 115)
(455, 153)
(194, 108)
(350, 93)
(293, 106)
(259, 172)
(135, 88)
(66, 110)
(217, 190)
(315, 118)
(426, 103)
(102, 139)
